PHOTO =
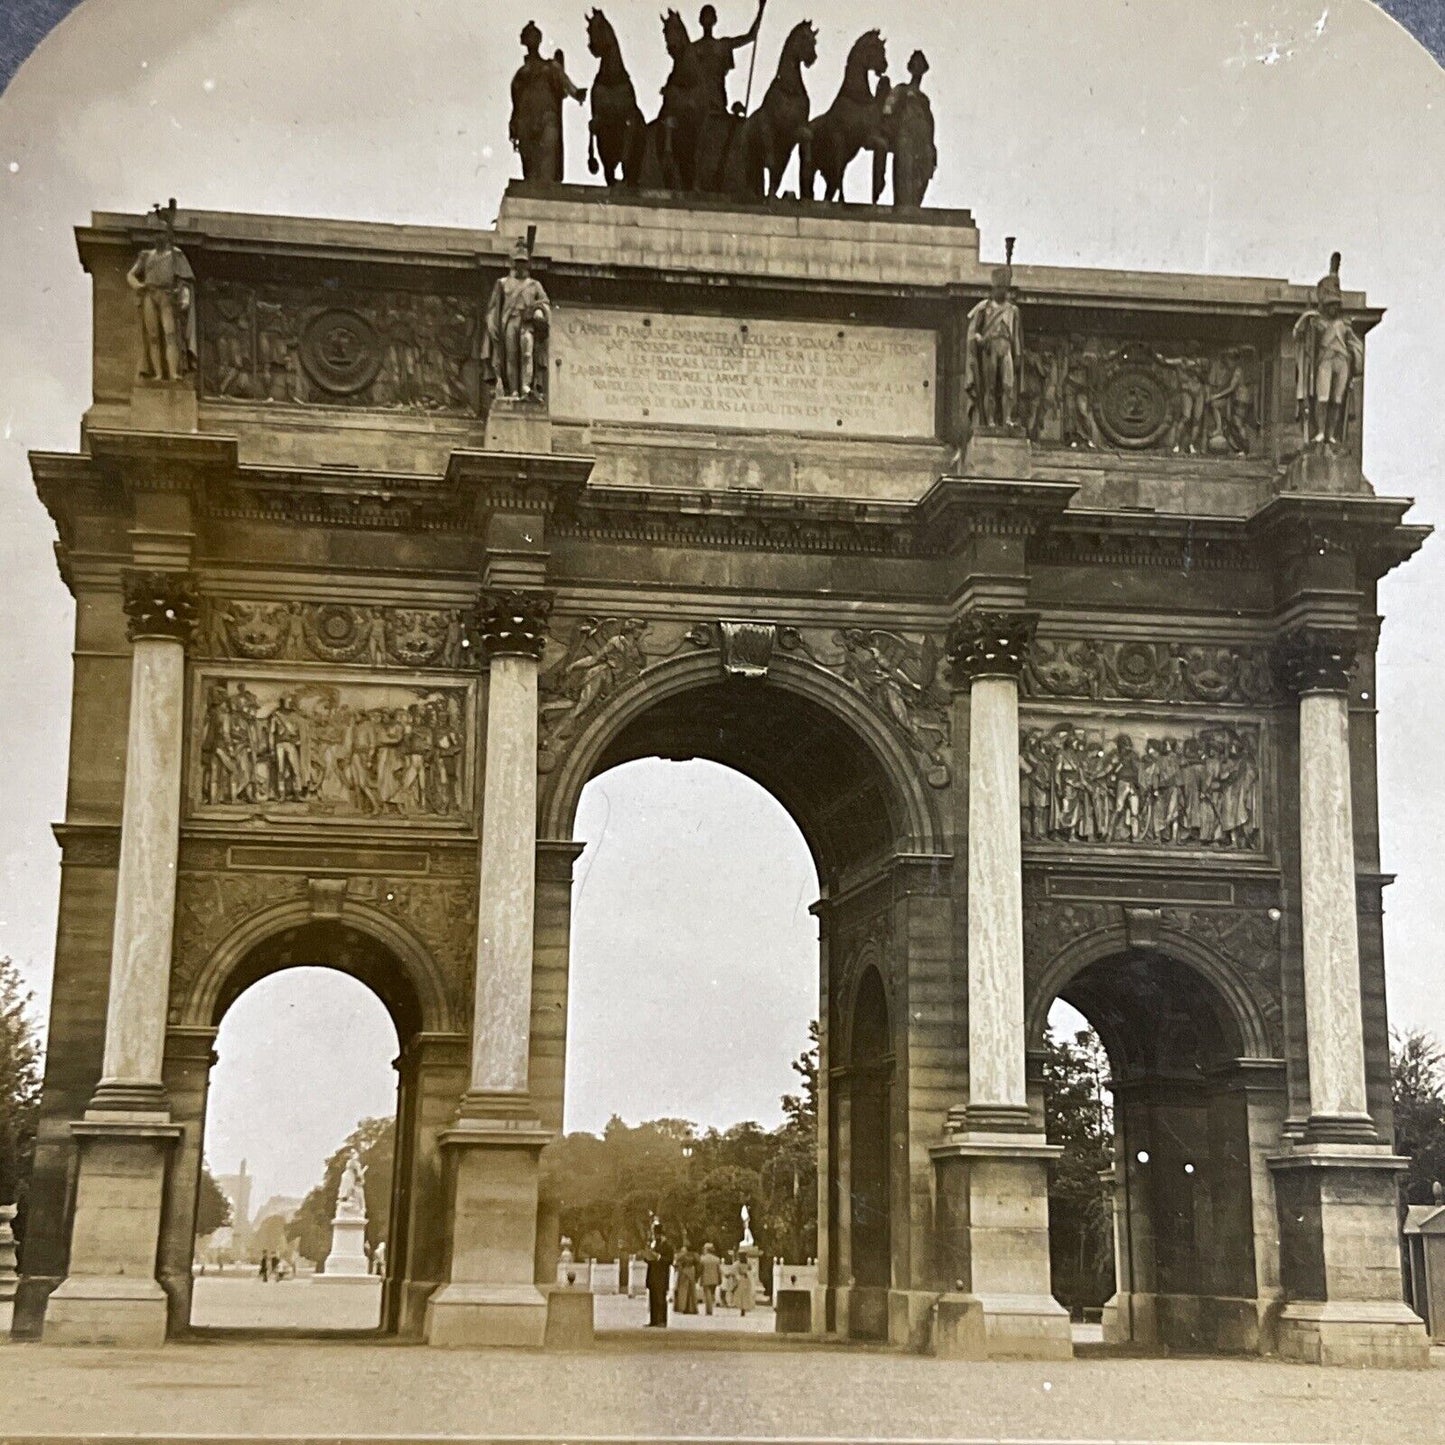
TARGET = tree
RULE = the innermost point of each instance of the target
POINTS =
(213, 1209)
(20, 1060)
(1417, 1084)
(375, 1141)
(1081, 1226)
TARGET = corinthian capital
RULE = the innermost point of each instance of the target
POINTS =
(990, 644)
(1315, 659)
(160, 604)
(513, 623)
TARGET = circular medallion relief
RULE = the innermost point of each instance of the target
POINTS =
(340, 351)
(1133, 406)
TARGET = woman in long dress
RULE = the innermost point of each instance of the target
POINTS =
(743, 1292)
(684, 1296)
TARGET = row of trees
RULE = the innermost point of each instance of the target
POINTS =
(607, 1188)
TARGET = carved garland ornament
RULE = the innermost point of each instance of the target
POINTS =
(1148, 671)
(335, 632)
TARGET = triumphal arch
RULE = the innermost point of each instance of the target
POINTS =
(1043, 599)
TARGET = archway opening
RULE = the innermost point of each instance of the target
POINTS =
(1142, 1071)
(692, 1000)
(294, 1201)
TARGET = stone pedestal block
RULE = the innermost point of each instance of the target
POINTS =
(993, 1214)
(111, 1296)
(164, 406)
(1340, 1260)
(347, 1260)
(490, 1296)
(998, 454)
(959, 1332)
(523, 427)
(794, 1311)
(1321, 469)
(569, 1319)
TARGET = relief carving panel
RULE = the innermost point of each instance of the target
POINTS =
(1158, 784)
(1148, 671)
(350, 347)
(1196, 398)
(268, 748)
(335, 632)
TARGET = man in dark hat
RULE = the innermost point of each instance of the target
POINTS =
(538, 90)
(658, 1255)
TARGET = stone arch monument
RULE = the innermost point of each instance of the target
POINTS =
(1070, 690)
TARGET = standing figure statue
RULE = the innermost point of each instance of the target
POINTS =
(518, 319)
(164, 287)
(1328, 357)
(994, 345)
(714, 54)
(746, 1216)
(350, 1193)
(538, 89)
(908, 130)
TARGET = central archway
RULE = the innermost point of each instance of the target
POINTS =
(846, 775)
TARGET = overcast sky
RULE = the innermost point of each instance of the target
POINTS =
(1229, 136)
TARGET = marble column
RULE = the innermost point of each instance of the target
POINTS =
(111, 1295)
(1335, 1190)
(490, 1295)
(992, 1205)
(988, 650)
(1314, 665)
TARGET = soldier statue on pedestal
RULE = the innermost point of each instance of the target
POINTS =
(538, 90)
(518, 320)
(164, 287)
(994, 344)
(1329, 355)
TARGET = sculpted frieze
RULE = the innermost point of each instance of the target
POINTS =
(598, 656)
(1154, 784)
(273, 748)
(1193, 398)
(335, 632)
(346, 347)
(1148, 671)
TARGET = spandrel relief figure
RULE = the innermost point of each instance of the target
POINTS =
(1328, 357)
(994, 346)
(518, 321)
(538, 89)
(165, 287)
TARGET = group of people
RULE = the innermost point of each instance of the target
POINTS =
(273, 1268)
(1078, 787)
(694, 1279)
(364, 760)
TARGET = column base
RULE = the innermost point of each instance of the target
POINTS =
(460, 1316)
(490, 1296)
(107, 1310)
(1355, 1333)
(1220, 1324)
(959, 1331)
(111, 1295)
(993, 1215)
(1340, 1258)
(910, 1318)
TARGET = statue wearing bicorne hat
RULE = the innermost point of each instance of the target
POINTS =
(1328, 357)
(994, 347)
(164, 287)
(518, 320)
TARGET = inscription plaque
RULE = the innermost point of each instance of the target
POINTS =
(713, 371)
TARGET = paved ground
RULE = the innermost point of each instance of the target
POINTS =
(243, 1302)
(344, 1390)
(617, 1312)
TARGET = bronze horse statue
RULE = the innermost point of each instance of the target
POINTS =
(615, 132)
(853, 122)
(767, 139)
(670, 153)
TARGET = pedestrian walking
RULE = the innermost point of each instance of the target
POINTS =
(709, 1276)
(684, 1299)
(658, 1255)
